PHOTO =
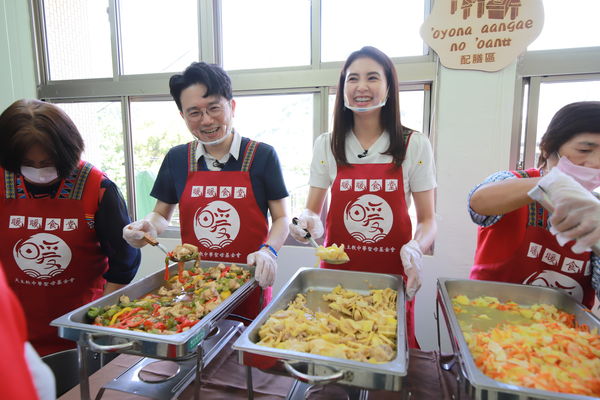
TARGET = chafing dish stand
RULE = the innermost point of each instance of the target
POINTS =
(129, 381)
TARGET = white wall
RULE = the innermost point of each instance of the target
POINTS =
(474, 117)
(17, 76)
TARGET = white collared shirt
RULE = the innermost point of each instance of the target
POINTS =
(418, 168)
(234, 151)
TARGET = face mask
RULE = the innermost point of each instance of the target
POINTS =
(364, 109)
(39, 175)
(214, 142)
(588, 177)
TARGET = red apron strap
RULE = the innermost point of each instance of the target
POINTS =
(249, 153)
(7, 189)
(192, 161)
(90, 178)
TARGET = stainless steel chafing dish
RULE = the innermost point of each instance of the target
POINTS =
(317, 369)
(475, 383)
(74, 325)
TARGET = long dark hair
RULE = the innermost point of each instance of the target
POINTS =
(569, 121)
(27, 123)
(343, 118)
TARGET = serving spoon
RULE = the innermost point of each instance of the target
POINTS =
(308, 236)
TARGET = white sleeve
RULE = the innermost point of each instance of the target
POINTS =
(420, 164)
(43, 378)
(319, 167)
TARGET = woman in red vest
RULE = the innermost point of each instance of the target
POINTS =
(373, 165)
(518, 240)
(60, 220)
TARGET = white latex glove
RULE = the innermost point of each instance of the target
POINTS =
(266, 266)
(311, 222)
(576, 213)
(154, 224)
(43, 378)
(412, 259)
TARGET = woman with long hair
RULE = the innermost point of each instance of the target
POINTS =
(374, 166)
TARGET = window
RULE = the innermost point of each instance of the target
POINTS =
(78, 39)
(391, 26)
(265, 33)
(545, 97)
(158, 36)
(569, 24)
(284, 122)
(283, 58)
(554, 96)
(156, 126)
(100, 125)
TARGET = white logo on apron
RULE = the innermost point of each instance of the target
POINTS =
(368, 219)
(557, 280)
(42, 256)
(216, 225)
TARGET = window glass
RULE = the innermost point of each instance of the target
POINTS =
(265, 33)
(156, 126)
(158, 36)
(568, 24)
(78, 39)
(101, 126)
(553, 96)
(286, 123)
(391, 26)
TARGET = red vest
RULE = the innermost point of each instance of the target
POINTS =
(14, 371)
(519, 248)
(50, 252)
(219, 214)
(369, 216)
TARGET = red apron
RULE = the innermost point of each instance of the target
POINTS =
(219, 214)
(519, 248)
(50, 252)
(16, 379)
(368, 215)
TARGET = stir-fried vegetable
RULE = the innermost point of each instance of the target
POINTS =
(178, 305)
(181, 254)
(538, 346)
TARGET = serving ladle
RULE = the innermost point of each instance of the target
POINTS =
(308, 236)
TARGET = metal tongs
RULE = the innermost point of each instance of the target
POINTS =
(316, 245)
(539, 194)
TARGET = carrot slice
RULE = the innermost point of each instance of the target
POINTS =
(180, 265)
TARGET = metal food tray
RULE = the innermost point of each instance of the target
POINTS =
(318, 369)
(476, 384)
(74, 325)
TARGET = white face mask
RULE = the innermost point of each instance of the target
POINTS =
(39, 175)
(588, 177)
(217, 141)
(364, 109)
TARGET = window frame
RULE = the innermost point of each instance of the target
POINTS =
(535, 68)
(318, 77)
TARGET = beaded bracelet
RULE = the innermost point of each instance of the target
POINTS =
(268, 247)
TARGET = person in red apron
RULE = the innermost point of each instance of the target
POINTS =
(22, 372)
(373, 165)
(518, 240)
(55, 250)
(224, 184)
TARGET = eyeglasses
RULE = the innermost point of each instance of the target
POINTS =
(214, 111)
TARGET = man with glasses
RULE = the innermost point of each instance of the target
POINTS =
(224, 184)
